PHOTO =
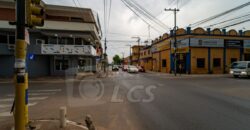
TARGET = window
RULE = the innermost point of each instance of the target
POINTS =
(12, 39)
(148, 51)
(40, 41)
(144, 52)
(78, 41)
(216, 62)
(3, 38)
(61, 64)
(70, 41)
(62, 41)
(164, 63)
(200, 63)
(53, 40)
(233, 60)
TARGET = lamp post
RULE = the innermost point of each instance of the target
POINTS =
(175, 41)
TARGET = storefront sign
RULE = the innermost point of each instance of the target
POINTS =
(154, 49)
(181, 50)
(180, 43)
(50, 49)
(247, 46)
(233, 43)
(201, 42)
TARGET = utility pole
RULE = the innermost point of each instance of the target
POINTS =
(139, 48)
(105, 54)
(175, 40)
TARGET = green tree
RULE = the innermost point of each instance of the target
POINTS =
(117, 60)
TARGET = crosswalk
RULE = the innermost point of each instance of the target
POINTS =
(35, 96)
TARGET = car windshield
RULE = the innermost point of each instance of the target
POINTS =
(239, 65)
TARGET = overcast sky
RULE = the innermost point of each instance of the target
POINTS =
(124, 24)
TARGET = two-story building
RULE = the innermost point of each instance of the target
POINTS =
(70, 38)
(200, 51)
(136, 54)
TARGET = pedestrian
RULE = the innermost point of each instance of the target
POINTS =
(180, 68)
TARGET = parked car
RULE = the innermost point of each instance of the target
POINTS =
(115, 68)
(141, 69)
(132, 69)
(240, 69)
(125, 68)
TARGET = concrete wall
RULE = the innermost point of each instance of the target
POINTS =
(199, 53)
(216, 53)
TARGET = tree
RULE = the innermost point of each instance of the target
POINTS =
(117, 60)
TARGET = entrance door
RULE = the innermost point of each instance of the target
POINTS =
(61, 65)
(181, 63)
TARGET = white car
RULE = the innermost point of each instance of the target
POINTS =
(132, 69)
(240, 69)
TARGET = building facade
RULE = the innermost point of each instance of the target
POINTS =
(69, 39)
(135, 58)
(146, 58)
(200, 51)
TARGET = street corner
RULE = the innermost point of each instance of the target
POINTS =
(55, 125)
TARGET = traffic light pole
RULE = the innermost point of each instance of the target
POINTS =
(21, 77)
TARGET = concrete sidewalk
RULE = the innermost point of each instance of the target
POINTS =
(188, 75)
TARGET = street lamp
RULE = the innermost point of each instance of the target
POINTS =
(175, 43)
(138, 40)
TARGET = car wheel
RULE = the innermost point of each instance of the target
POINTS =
(236, 76)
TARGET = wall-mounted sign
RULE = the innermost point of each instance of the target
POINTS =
(247, 46)
(233, 43)
(180, 43)
(154, 49)
(202, 42)
(51, 49)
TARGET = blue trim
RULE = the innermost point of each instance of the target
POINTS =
(26, 97)
(241, 53)
(209, 60)
(188, 62)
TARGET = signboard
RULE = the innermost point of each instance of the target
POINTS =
(51, 49)
(202, 42)
(180, 43)
(233, 43)
(247, 46)
(154, 48)
(31, 56)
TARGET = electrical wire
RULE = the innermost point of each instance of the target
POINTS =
(219, 15)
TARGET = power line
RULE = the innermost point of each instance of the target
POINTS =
(232, 19)
(234, 24)
(149, 14)
(110, 7)
(140, 16)
(219, 15)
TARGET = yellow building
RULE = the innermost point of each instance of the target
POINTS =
(136, 54)
(200, 51)
(146, 58)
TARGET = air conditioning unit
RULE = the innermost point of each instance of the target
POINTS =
(40, 41)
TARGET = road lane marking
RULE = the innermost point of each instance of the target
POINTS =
(30, 99)
(46, 90)
(35, 94)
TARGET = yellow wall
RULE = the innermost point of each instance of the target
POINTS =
(231, 53)
(165, 55)
(156, 63)
(199, 53)
(216, 53)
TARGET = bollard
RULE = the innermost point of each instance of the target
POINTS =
(63, 112)
(89, 123)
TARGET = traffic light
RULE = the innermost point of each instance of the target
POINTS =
(34, 13)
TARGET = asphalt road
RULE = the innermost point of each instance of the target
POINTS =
(145, 101)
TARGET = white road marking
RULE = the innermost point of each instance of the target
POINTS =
(10, 105)
(30, 99)
(34, 94)
(46, 90)
(5, 114)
